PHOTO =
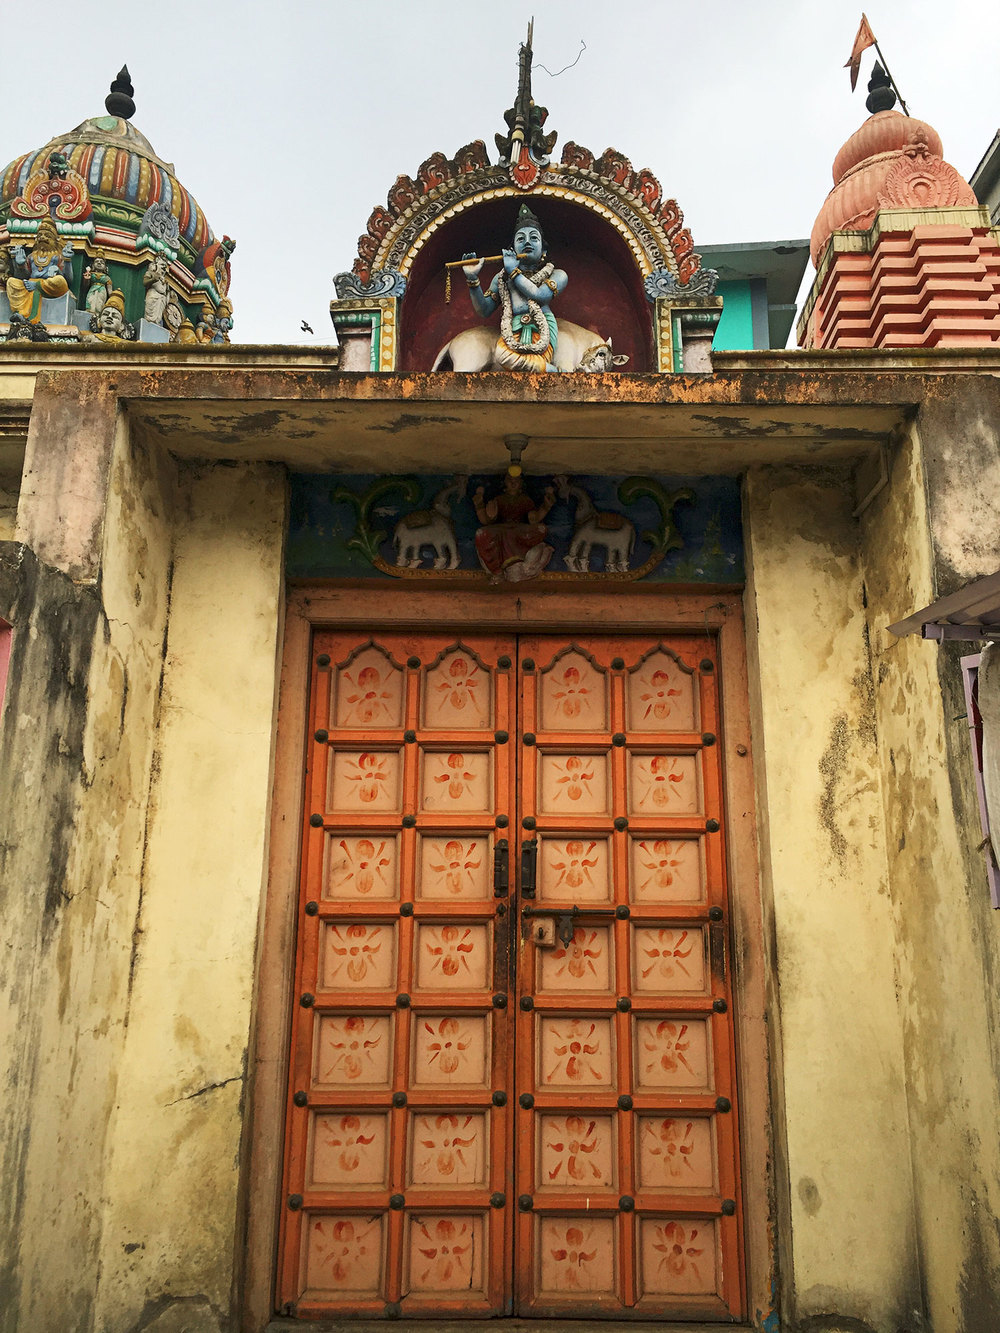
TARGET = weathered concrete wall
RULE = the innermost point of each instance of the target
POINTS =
(64, 486)
(848, 1241)
(948, 964)
(170, 1240)
(9, 488)
(959, 428)
(75, 756)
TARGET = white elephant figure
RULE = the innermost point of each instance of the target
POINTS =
(577, 348)
(430, 527)
(593, 527)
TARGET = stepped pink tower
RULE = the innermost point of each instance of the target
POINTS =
(905, 256)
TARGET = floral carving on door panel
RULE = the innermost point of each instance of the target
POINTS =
(445, 1254)
(457, 693)
(676, 1153)
(361, 867)
(573, 695)
(450, 1050)
(448, 1149)
(348, 1150)
(577, 1254)
(576, 1151)
(453, 957)
(368, 781)
(661, 696)
(358, 955)
(573, 784)
(454, 868)
(453, 781)
(574, 869)
(668, 959)
(369, 692)
(663, 784)
(673, 1053)
(575, 1052)
(677, 1256)
(667, 871)
(345, 1255)
(582, 965)
(353, 1050)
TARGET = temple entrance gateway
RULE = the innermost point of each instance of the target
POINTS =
(512, 1085)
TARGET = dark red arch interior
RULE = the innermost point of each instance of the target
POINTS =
(604, 292)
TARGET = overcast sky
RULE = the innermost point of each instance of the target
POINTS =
(289, 122)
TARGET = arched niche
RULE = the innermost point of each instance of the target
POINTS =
(605, 291)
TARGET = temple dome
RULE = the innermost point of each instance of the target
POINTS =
(124, 176)
(133, 228)
(891, 161)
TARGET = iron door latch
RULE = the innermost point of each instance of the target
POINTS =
(529, 859)
(501, 868)
(565, 917)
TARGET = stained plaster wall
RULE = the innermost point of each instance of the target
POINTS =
(75, 760)
(946, 934)
(120, 1120)
(169, 1248)
(8, 507)
(847, 1243)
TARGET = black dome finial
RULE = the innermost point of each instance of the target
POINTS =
(881, 94)
(119, 99)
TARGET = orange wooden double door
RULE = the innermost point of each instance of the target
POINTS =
(512, 1072)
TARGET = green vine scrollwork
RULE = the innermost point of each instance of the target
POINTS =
(665, 537)
(366, 538)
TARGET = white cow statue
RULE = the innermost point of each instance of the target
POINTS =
(596, 527)
(577, 348)
(430, 527)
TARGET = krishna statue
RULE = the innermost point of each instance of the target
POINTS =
(523, 294)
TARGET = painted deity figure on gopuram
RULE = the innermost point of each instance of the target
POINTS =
(511, 543)
(42, 272)
(523, 293)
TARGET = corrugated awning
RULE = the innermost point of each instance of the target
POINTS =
(971, 613)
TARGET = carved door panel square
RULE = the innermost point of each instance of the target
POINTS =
(449, 1149)
(361, 869)
(347, 1151)
(512, 1083)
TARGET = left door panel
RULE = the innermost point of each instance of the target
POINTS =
(396, 1198)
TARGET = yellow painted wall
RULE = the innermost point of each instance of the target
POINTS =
(945, 932)
(68, 992)
(170, 1237)
(840, 1109)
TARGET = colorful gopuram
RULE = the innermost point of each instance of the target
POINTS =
(100, 242)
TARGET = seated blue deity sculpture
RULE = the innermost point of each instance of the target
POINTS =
(523, 293)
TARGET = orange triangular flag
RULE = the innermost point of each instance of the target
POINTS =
(864, 39)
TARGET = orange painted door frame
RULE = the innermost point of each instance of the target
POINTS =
(507, 838)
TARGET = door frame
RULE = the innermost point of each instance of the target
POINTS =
(525, 611)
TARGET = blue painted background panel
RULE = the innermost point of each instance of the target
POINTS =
(323, 530)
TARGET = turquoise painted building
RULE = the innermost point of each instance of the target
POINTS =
(758, 282)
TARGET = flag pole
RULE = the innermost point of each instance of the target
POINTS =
(888, 75)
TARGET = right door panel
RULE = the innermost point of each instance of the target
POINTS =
(628, 1192)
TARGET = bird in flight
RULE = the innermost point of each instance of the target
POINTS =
(306, 328)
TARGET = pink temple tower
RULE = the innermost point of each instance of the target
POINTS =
(904, 254)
